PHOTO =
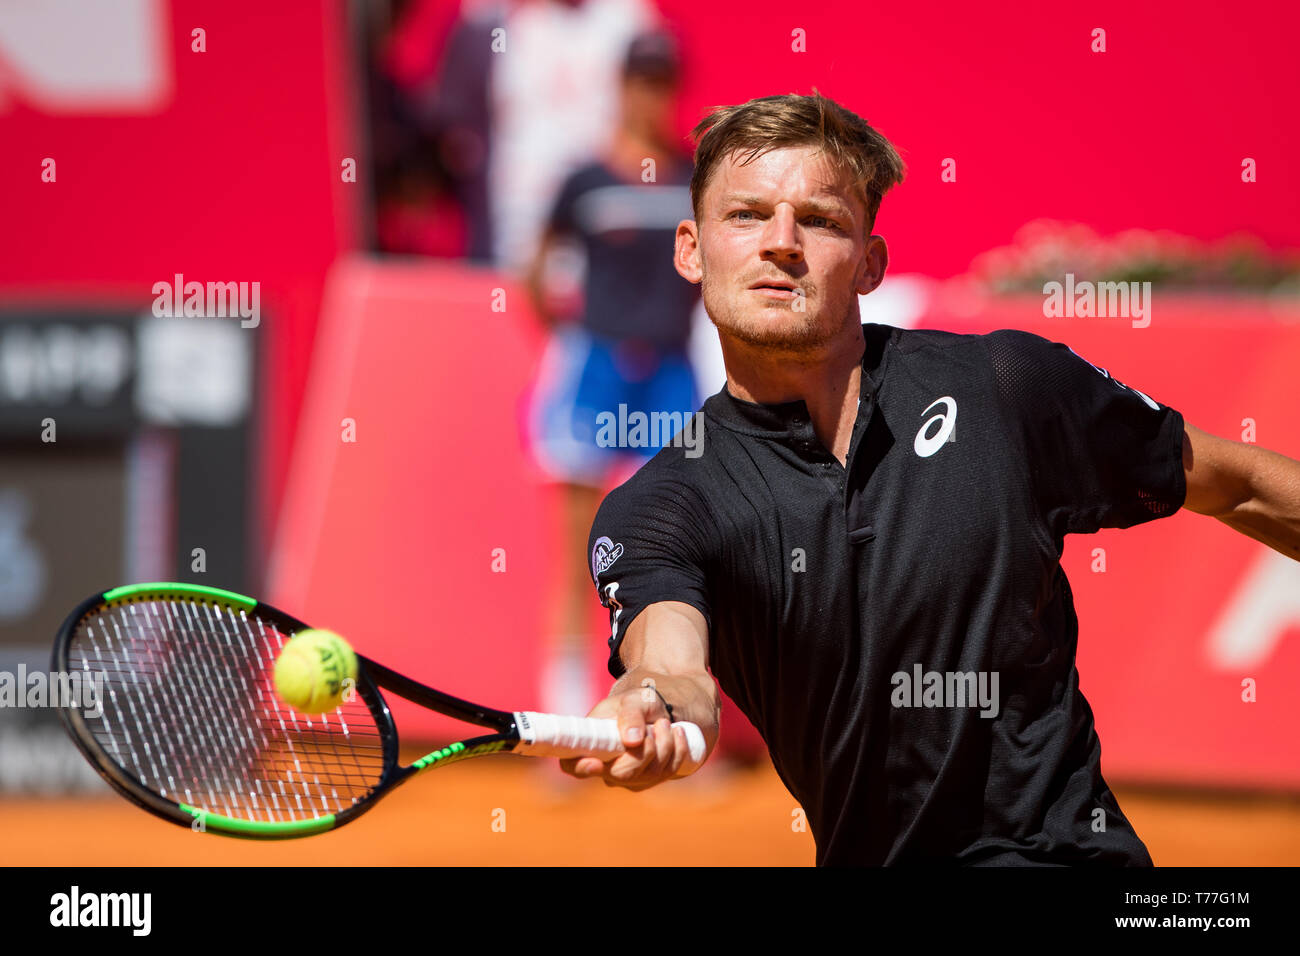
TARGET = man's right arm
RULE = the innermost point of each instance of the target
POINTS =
(665, 648)
(559, 224)
(535, 279)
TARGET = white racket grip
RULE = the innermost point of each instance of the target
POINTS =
(555, 735)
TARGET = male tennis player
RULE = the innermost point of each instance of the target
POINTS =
(874, 506)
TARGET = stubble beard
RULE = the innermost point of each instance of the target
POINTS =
(775, 326)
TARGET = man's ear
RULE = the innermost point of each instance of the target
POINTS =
(875, 259)
(686, 253)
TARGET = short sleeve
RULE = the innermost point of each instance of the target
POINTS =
(648, 544)
(1100, 454)
(562, 219)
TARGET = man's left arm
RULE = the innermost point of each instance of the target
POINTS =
(1248, 488)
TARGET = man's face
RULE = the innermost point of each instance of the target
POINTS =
(650, 104)
(781, 250)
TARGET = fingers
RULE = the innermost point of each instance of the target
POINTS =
(658, 758)
(680, 750)
(655, 751)
(645, 766)
(631, 721)
(633, 735)
(582, 767)
(610, 707)
(663, 762)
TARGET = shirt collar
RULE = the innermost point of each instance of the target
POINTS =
(788, 418)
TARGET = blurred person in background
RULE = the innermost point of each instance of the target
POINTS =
(518, 94)
(628, 345)
(554, 93)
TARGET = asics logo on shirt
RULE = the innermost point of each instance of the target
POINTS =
(925, 447)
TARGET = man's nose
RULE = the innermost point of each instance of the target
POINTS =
(781, 238)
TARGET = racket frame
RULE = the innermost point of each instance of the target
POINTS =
(371, 676)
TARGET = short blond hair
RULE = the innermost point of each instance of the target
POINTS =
(774, 122)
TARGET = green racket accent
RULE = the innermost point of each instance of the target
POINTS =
(457, 751)
(216, 821)
(170, 589)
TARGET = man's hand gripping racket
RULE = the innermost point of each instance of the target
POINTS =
(654, 749)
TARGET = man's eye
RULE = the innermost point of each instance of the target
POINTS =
(742, 212)
(821, 221)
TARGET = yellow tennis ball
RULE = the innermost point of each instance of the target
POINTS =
(315, 671)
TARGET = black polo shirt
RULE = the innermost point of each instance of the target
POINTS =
(631, 290)
(856, 613)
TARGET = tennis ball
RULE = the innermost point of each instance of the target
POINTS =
(314, 671)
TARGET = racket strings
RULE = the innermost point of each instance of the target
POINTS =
(190, 710)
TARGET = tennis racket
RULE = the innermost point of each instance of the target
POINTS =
(190, 727)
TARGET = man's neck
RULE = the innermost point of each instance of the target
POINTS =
(827, 381)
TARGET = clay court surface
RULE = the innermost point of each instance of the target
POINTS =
(447, 818)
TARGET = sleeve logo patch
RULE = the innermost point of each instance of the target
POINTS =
(1105, 374)
(605, 553)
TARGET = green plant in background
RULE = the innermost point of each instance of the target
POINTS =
(1045, 250)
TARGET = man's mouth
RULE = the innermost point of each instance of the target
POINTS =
(777, 288)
